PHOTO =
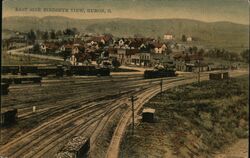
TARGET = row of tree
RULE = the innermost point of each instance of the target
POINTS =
(52, 34)
(228, 55)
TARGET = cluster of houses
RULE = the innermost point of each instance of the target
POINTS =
(147, 52)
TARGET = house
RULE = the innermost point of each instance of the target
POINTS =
(121, 55)
(50, 47)
(189, 39)
(168, 36)
(190, 62)
(145, 59)
(121, 42)
(141, 58)
(125, 55)
(112, 53)
(135, 59)
(159, 47)
(162, 59)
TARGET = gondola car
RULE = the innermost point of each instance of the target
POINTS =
(77, 147)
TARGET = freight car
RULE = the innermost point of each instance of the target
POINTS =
(24, 70)
(103, 71)
(17, 79)
(10, 70)
(78, 147)
(9, 117)
(50, 70)
(83, 70)
(148, 74)
(4, 88)
(87, 71)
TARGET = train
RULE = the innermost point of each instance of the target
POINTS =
(166, 69)
(159, 73)
(59, 70)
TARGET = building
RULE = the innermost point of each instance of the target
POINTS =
(189, 39)
(162, 59)
(159, 47)
(189, 62)
(148, 115)
(168, 36)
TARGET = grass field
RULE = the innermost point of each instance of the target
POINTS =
(24, 60)
(192, 121)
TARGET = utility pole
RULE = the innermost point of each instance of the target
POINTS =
(161, 83)
(133, 98)
(1, 123)
(199, 71)
(133, 115)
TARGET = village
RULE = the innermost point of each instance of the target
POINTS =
(105, 50)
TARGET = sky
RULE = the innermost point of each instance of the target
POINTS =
(236, 11)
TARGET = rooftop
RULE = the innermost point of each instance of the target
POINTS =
(148, 110)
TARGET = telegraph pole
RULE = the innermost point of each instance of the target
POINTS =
(133, 98)
(199, 71)
(133, 115)
(161, 83)
(1, 123)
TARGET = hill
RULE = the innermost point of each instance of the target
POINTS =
(227, 35)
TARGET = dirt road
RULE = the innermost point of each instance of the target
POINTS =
(238, 150)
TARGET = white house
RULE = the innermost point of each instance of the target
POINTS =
(121, 42)
(189, 39)
(73, 60)
(75, 50)
(168, 36)
(43, 48)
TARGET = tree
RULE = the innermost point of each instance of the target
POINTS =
(116, 63)
(31, 36)
(36, 48)
(195, 49)
(168, 50)
(201, 52)
(245, 55)
(70, 32)
(184, 38)
(52, 34)
(38, 34)
(58, 33)
(45, 35)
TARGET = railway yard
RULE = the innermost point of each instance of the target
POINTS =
(52, 112)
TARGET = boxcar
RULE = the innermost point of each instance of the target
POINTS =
(46, 70)
(83, 70)
(4, 88)
(148, 74)
(10, 69)
(24, 70)
(103, 72)
(9, 117)
(215, 76)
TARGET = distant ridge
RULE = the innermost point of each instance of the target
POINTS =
(221, 34)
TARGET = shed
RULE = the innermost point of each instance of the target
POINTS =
(225, 75)
(9, 117)
(148, 115)
(4, 88)
(215, 76)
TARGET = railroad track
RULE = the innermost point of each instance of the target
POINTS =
(113, 149)
(23, 149)
(48, 129)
